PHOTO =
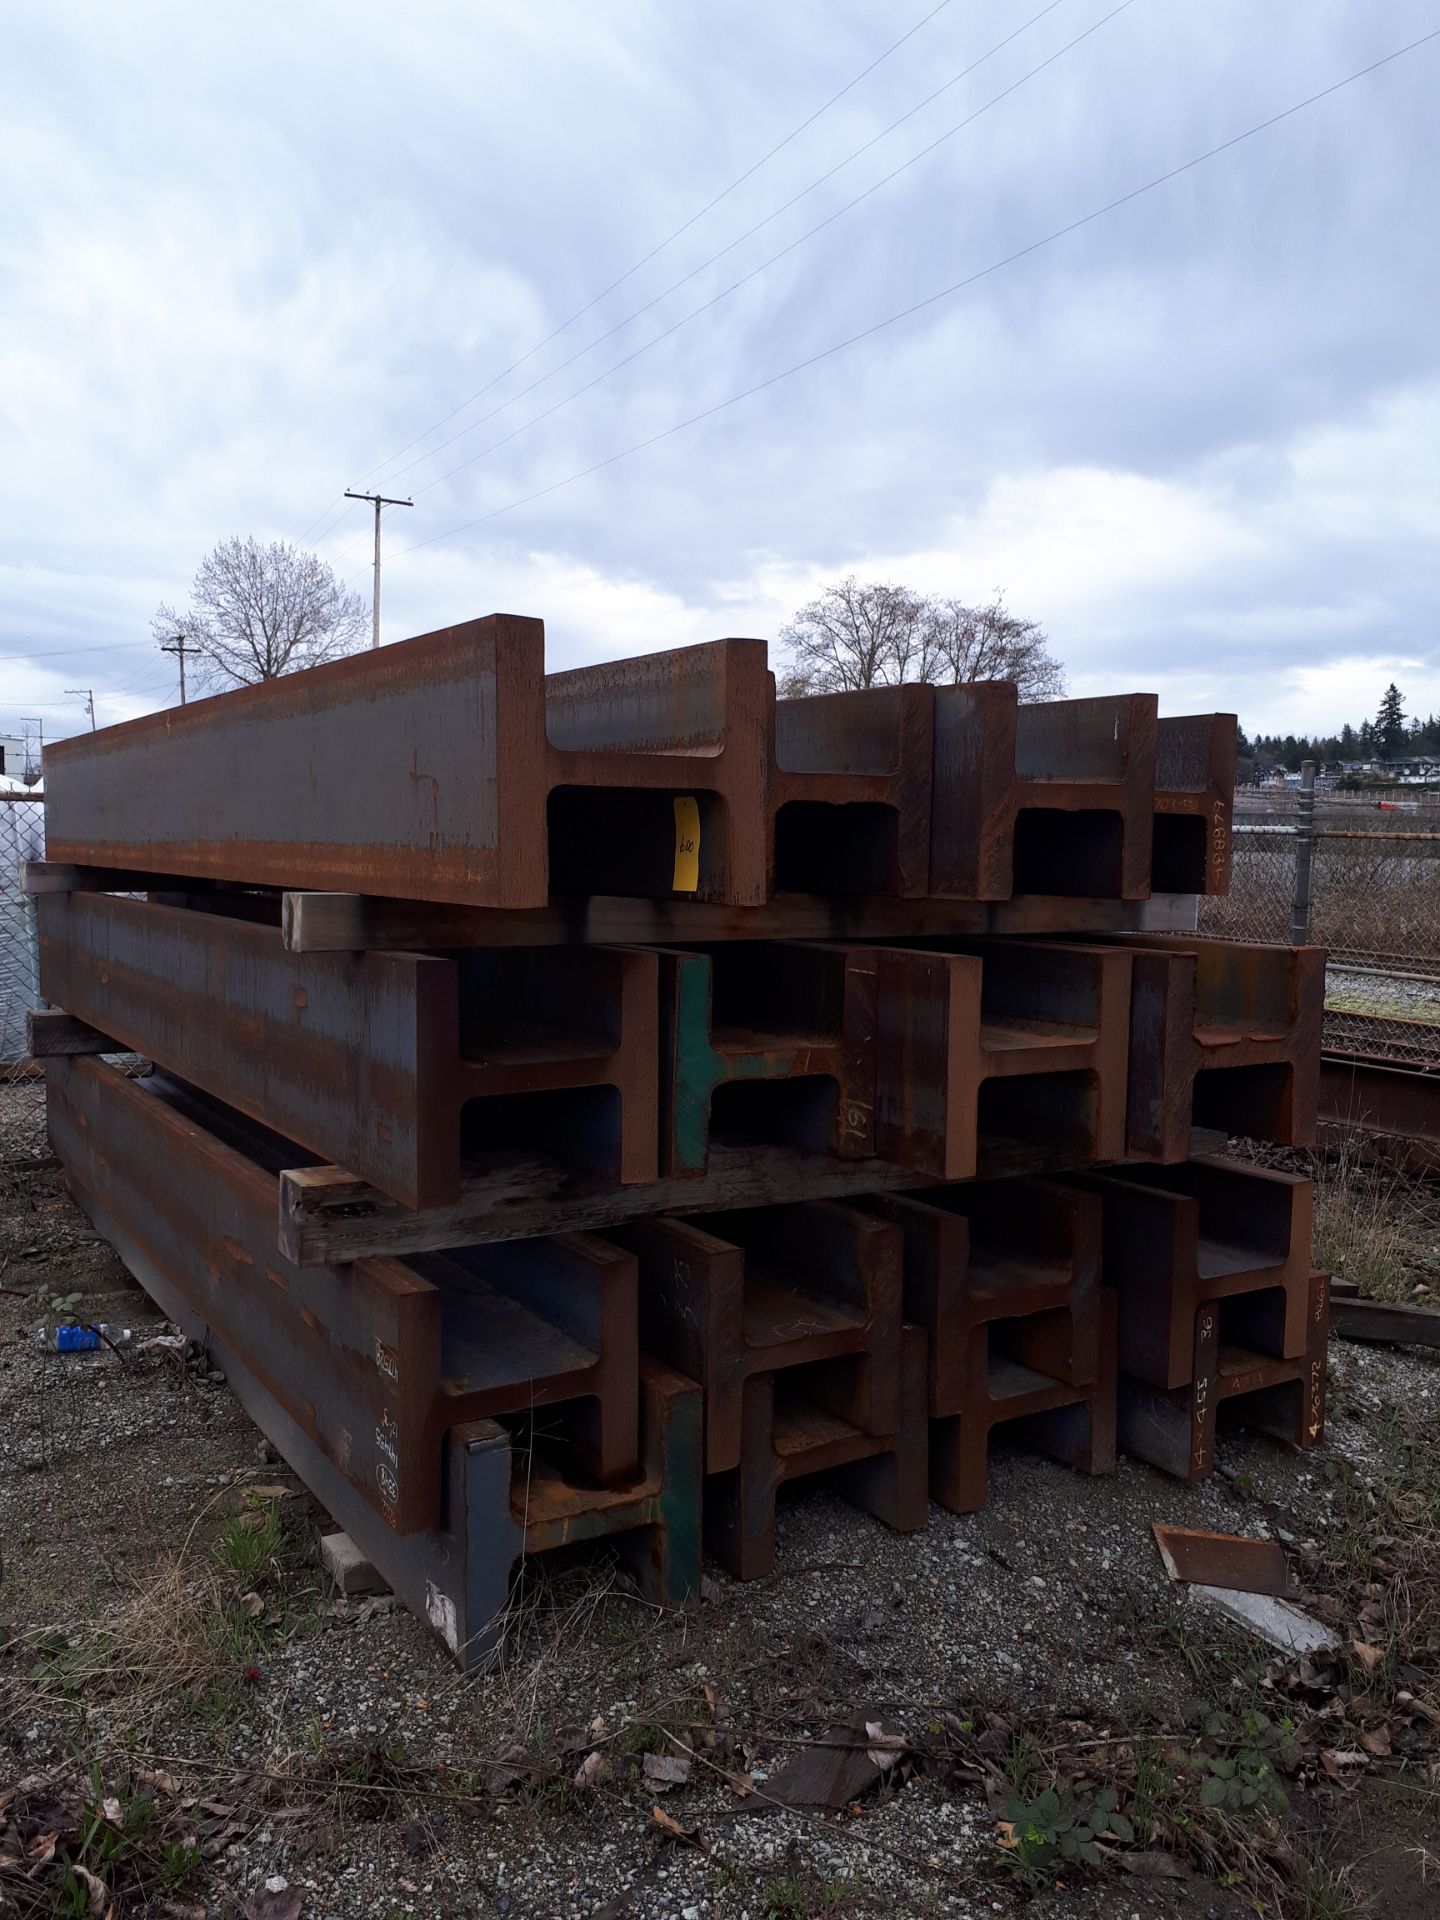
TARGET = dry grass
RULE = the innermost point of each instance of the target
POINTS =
(1367, 1213)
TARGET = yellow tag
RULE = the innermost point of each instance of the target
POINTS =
(687, 843)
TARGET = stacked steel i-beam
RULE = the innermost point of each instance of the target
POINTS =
(584, 1104)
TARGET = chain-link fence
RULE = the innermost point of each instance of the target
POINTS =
(22, 838)
(1374, 902)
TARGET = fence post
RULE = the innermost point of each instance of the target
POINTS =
(1304, 856)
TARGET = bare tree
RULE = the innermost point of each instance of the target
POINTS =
(854, 636)
(878, 634)
(257, 612)
(991, 643)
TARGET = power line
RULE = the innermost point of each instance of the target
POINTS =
(62, 653)
(654, 252)
(755, 271)
(930, 300)
(785, 207)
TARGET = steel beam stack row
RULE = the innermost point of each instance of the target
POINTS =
(584, 1105)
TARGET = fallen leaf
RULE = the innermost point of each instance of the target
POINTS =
(41, 1851)
(96, 1890)
(1377, 1741)
(592, 1770)
(161, 1782)
(1369, 1657)
(708, 1735)
(1336, 1761)
(110, 1807)
(666, 1827)
(249, 1501)
(665, 1770)
(1005, 1833)
(884, 1748)
(251, 1605)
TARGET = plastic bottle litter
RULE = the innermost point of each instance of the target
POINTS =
(72, 1339)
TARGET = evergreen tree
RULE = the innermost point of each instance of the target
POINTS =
(1390, 724)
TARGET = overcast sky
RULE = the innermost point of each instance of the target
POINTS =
(246, 254)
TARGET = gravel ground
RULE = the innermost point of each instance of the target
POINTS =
(377, 1781)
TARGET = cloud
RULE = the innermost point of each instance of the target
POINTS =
(244, 261)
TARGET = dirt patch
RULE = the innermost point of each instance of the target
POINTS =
(172, 1654)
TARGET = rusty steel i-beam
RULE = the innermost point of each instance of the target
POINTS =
(378, 1062)
(375, 1360)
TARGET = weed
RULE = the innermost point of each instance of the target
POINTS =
(785, 1899)
(797, 1896)
(1058, 1830)
(1235, 1758)
(1021, 1764)
(249, 1544)
(1153, 1789)
(1382, 1554)
(181, 1861)
(1318, 1891)
(638, 1738)
(1360, 1227)
(835, 1894)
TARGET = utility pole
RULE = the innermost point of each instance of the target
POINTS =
(27, 721)
(380, 501)
(1304, 857)
(87, 694)
(180, 646)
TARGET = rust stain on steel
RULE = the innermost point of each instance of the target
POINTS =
(1021, 1251)
(561, 1021)
(794, 1426)
(1244, 1565)
(365, 1058)
(1008, 1039)
(451, 768)
(1056, 797)
(1179, 1238)
(656, 1514)
(729, 1296)
(533, 1323)
(308, 780)
(374, 1360)
(850, 792)
(1239, 1366)
(194, 1218)
(1194, 803)
(767, 1011)
(1224, 1033)
(1005, 1278)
